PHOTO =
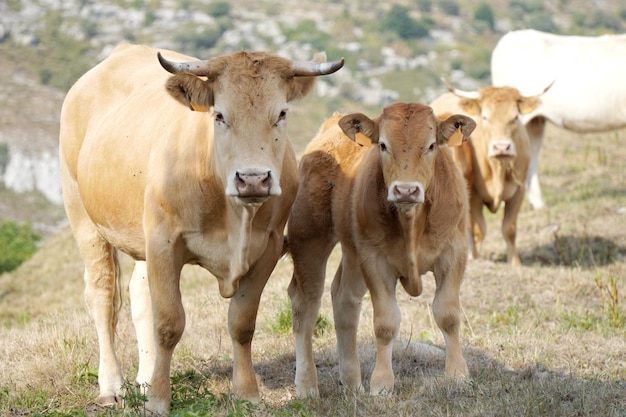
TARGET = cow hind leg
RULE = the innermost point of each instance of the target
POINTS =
(535, 129)
(306, 289)
(446, 310)
(347, 292)
(141, 310)
(103, 298)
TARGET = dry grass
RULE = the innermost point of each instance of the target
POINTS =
(541, 340)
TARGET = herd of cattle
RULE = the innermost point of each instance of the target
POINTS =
(214, 182)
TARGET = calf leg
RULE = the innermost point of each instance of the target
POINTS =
(382, 286)
(141, 310)
(306, 289)
(347, 291)
(446, 308)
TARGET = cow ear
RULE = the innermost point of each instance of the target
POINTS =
(355, 123)
(455, 130)
(191, 91)
(470, 105)
(527, 104)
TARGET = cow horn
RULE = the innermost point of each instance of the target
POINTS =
(311, 68)
(200, 68)
(466, 94)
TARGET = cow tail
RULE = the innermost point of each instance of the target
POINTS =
(117, 289)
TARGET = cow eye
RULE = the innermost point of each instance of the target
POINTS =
(219, 117)
(383, 147)
(282, 116)
(431, 147)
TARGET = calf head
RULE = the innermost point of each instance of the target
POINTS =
(499, 108)
(408, 137)
(247, 94)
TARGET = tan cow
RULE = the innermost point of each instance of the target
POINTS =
(399, 209)
(144, 174)
(495, 161)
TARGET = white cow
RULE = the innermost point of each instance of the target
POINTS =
(589, 90)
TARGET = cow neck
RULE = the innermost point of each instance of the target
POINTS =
(412, 222)
(239, 248)
(499, 172)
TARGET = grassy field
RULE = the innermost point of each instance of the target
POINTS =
(546, 339)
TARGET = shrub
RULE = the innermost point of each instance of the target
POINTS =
(17, 244)
(484, 14)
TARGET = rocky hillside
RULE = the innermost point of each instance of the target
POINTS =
(394, 50)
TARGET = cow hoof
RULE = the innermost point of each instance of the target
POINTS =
(108, 401)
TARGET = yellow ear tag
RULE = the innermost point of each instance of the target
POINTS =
(198, 107)
(456, 139)
(362, 139)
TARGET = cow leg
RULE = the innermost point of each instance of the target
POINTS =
(102, 290)
(535, 129)
(103, 298)
(347, 292)
(509, 225)
(164, 265)
(242, 313)
(446, 308)
(477, 225)
(387, 319)
(306, 289)
(141, 310)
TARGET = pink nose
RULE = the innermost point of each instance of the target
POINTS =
(502, 148)
(407, 193)
(253, 184)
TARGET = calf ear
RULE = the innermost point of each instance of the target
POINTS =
(352, 124)
(455, 130)
(526, 105)
(191, 91)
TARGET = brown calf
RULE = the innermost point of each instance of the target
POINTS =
(399, 209)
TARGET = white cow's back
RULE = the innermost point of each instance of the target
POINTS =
(589, 91)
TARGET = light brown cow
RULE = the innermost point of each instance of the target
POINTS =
(169, 186)
(495, 161)
(399, 209)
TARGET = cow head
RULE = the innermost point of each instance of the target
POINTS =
(408, 138)
(499, 109)
(247, 94)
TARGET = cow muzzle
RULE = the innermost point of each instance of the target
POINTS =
(253, 185)
(502, 148)
(406, 193)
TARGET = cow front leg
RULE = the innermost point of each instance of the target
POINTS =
(446, 310)
(478, 226)
(164, 267)
(141, 311)
(509, 225)
(348, 289)
(242, 314)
